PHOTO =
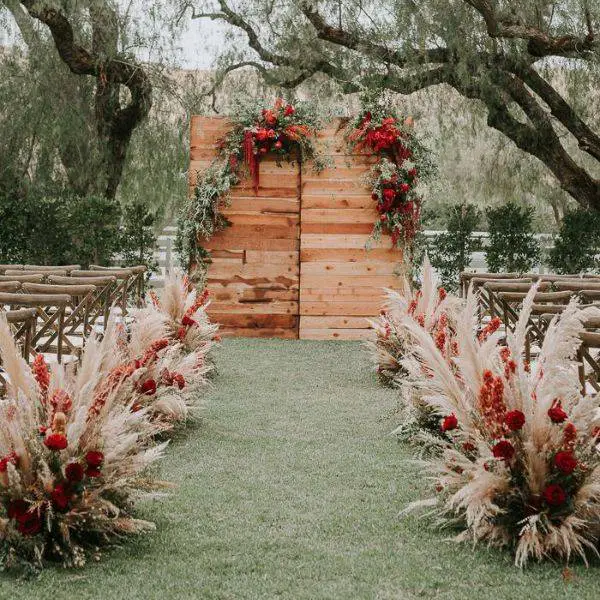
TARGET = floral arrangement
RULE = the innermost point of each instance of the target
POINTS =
(520, 467)
(73, 456)
(403, 163)
(75, 445)
(286, 130)
(169, 385)
(430, 306)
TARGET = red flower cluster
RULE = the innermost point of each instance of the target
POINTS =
(94, 460)
(491, 403)
(29, 520)
(514, 420)
(556, 412)
(565, 462)
(489, 329)
(40, 371)
(449, 423)
(56, 442)
(554, 495)
(503, 450)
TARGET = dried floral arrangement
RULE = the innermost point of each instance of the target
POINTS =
(287, 131)
(76, 444)
(520, 466)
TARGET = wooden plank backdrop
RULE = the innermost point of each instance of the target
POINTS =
(294, 262)
(341, 282)
(254, 275)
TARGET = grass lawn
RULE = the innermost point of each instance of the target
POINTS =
(290, 488)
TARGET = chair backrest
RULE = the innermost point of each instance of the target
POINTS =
(4, 268)
(29, 278)
(44, 268)
(577, 285)
(117, 273)
(519, 286)
(43, 273)
(96, 281)
(10, 286)
(71, 290)
(137, 269)
(551, 297)
(20, 315)
(26, 300)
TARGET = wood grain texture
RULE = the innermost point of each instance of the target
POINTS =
(254, 277)
(295, 262)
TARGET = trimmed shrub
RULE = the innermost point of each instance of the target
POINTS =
(512, 244)
(577, 245)
(450, 252)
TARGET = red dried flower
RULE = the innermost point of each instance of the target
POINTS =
(148, 387)
(41, 374)
(94, 458)
(556, 412)
(29, 520)
(404, 188)
(442, 293)
(74, 472)
(565, 462)
(56, 442)
(449, 423)
(503, 450)
(93, 472)
(514, 420)
(569, 435)
(179, 380)
(289, 110)
(9, 458)
(60, 498)
(469, 447)
(554, 495)
(187, 321)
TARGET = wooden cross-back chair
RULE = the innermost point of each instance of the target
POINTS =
(507, 299)
(50, 268)
(22, 325)
(10, 286)
(119, 291)
(15, 267)
(76, 319)
(135, 285)
(50, 317)
(485, 288)
(101, 300)
(466, 277)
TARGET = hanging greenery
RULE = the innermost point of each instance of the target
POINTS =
(286, 131)
(403, 163)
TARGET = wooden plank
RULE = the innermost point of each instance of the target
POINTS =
(339, 215)
(311, 240)
(229, 240)
(334, 322)
(349, 255)
(335, 308)
(336, 334)
(366, 268)
(272, 307)
(339, 201)
(273, 258)
(336, 228)
(223, 270)
(342, 294)
(256, 321)
(263, 332)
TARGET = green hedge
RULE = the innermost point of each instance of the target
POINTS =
(40, 228)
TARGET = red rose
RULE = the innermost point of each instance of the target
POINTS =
(56, 442)
(389, 194)
(93, 472)
(289, 110)
(278, 145)
(94, 458)
(74, 472)
(16, 508)
(29, 521)
(565, 462)
(554, 495)
(503, 450)
(449, 423)
(404, 188)
(187, 321)
(556, 413)
(148, 387)
(60, 498)
(514, 420)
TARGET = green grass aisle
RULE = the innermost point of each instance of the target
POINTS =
(290, 488)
